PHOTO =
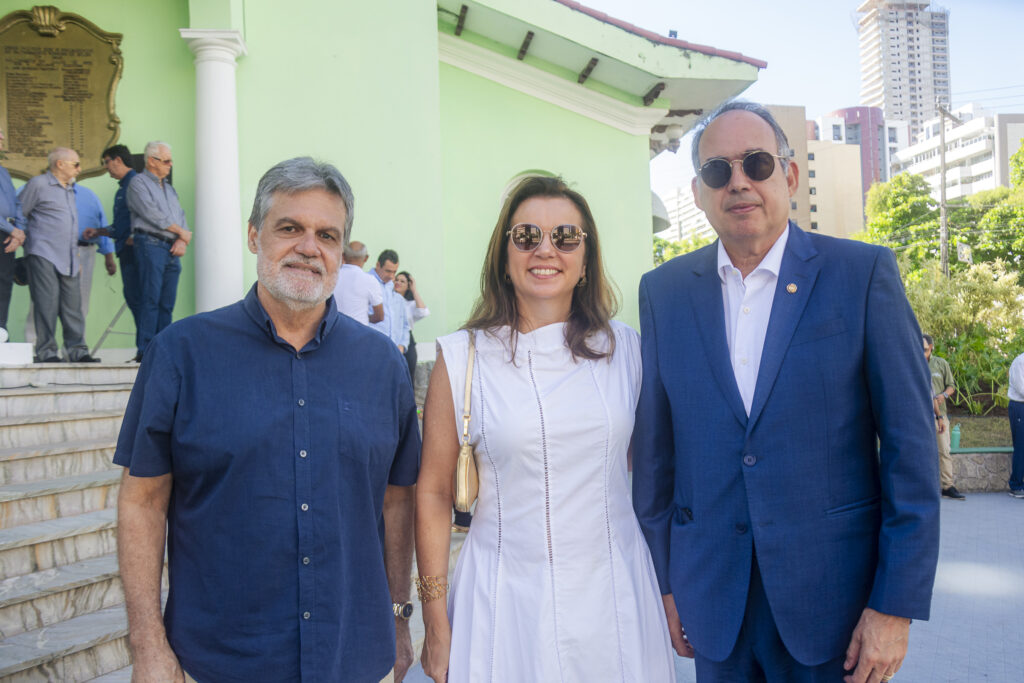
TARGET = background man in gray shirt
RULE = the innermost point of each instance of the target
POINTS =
(160, 234)
(51, 249)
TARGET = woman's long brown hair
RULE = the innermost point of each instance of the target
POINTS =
(593, 303)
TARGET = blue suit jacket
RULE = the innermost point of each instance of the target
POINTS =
(833, 477)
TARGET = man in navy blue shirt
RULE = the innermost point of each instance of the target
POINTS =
(284, 482)
(12, 235)
(118, 162)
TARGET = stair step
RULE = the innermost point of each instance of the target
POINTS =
(38, 501)
(120, 676)
(94, 374)
(43, 430)
(54, 595)
(52, 461)
(51, 399)
(43, 545)
(79, 649)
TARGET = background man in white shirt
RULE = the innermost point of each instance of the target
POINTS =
(358, 292)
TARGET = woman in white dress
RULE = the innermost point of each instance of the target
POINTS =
(554, 581)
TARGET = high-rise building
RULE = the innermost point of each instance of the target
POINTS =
(877, 137)
(686, 221)
(978, 151)
(837, 205)
(904, 59)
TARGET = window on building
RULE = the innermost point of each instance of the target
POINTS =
(813, 190)
(792, 205)
(810, 157)
(810, 173)
(814, 208)
(837, 132)
(892, 135)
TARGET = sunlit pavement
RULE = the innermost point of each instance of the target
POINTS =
(976, 630)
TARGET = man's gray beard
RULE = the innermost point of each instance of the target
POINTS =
(285, 292)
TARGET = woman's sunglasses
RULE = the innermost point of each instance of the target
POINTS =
(756, 165)
(565, 238)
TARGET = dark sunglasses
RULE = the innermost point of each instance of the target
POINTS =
(715, 173)
(565, 238)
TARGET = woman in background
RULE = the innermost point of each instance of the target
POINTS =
(405, 286)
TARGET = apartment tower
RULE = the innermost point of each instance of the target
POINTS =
(904, 59)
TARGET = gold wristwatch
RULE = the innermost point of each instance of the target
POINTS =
(402, 610)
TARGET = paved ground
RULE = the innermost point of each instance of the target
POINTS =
(976, 632)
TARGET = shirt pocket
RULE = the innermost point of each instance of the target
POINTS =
(367, 432)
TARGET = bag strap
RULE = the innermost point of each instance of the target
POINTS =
(469, 387)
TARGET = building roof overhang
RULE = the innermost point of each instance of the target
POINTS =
(593, 64)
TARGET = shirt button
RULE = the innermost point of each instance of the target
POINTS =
(306, 507)
(306, 615)
(749, 460)
(302, 454)
(746, 309)
(305, 560)
(302, 401)
(741, 528)
(743, 361)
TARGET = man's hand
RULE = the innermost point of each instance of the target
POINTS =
(877, 648)
(401, 349)
(92, 233)
(155, 663)
(940, 426)
(109, 262)
(14, 240)
(680, 643)
(183, 234)
(178, 248)
(403, 649)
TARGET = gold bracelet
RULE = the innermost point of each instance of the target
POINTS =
(431, 587)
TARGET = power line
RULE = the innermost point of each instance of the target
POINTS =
(1005, 87)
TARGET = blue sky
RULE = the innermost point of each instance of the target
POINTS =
(812, 53)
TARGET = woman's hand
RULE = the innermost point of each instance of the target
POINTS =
(436, 647)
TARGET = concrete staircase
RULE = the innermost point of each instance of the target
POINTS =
(61, 603)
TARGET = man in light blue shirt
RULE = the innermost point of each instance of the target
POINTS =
(12, 235)
(51, 254)
(395, 324)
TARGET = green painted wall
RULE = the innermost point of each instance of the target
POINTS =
(354, 84)
(155, 100)
(490, 134)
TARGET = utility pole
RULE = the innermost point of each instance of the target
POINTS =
(943, 225)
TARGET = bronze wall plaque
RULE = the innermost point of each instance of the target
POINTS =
(58, 76)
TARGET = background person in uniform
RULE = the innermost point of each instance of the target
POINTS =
(51, 253)
(117, 160)
(160, 236)
(283, 485)
(943, 386)
(784, 463)
(12, 236)
(358, 293)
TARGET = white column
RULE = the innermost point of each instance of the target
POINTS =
(217, 246)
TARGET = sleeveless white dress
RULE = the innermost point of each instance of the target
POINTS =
(555, 581)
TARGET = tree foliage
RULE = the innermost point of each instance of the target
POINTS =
(977, 320)
(666, 250)
(1017, 167)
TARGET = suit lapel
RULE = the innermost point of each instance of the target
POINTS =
(799, 269)
(709, 312)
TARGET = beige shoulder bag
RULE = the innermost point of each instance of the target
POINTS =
(467, 481)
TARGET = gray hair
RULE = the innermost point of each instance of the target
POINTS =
(355, 254)
(153, 148)
(58, 154)
(784, 151)
(301, 174)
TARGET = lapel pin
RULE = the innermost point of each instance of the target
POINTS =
(791, 288)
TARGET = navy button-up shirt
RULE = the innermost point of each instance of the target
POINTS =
(10, 207)
(121, 228)
(279, 460)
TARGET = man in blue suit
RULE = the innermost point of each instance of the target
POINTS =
(784, 468)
